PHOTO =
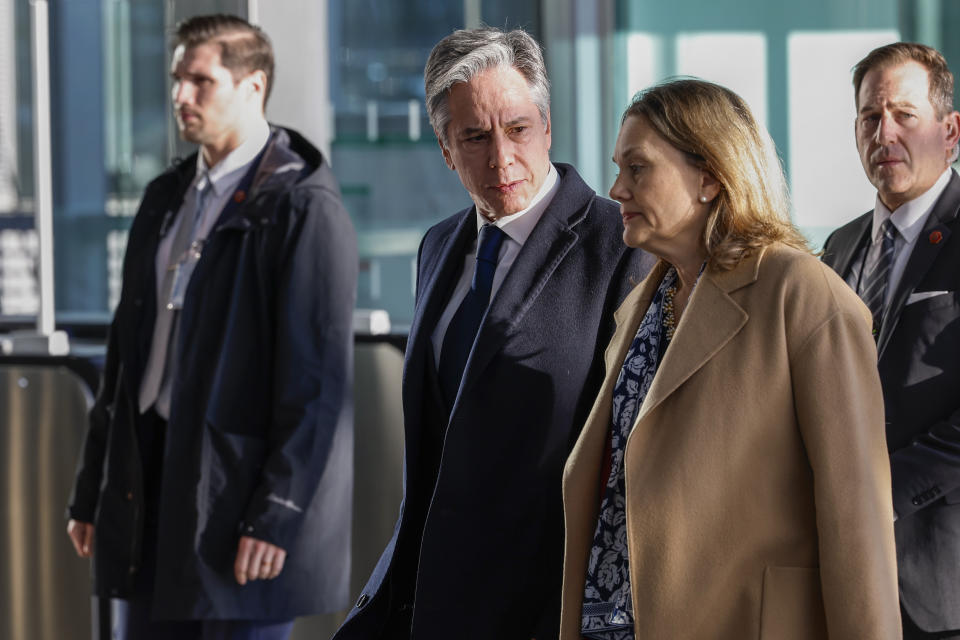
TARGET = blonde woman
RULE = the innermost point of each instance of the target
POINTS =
(732, 479)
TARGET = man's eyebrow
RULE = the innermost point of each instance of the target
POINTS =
(470, 131)
(895, 104)
(518, 120)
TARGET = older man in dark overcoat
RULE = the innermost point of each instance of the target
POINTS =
(514, 308)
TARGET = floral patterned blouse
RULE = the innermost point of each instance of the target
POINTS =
(607, 606)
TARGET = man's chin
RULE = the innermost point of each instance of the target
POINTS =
(508, 207)
(189, 134)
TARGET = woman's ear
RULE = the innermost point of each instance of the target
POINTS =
(709, 186)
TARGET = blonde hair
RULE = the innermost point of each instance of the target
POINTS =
(714, 127)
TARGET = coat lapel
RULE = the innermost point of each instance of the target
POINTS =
(552, 238)
(628, 318)
(711, 320)
(850, 247)
(158, 217)
(924, 253)
(441, 272)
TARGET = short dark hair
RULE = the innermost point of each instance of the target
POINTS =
(938, 74)
(244, 48)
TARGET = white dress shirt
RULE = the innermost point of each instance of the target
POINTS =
(222, 180)
(909, 220)
(517, 227)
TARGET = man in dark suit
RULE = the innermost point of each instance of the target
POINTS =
(214, 488)
(903, 258)
(504, 360)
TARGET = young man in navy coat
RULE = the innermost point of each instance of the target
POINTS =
(903, 258)
(514, 309)
(215, 485)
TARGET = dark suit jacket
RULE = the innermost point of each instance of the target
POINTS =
(486, 500)
(919, 360)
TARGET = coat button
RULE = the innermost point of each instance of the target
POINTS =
(362, 601)
(129, 496)
(132, 569)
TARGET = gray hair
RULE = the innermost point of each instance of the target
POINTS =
(466, 53)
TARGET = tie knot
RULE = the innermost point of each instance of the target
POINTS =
(488, 247)
(888, 230)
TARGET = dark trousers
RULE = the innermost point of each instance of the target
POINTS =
(132, 617)
(912, 632)
(134, 623)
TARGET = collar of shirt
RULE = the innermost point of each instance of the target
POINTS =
(230, 170)
(910, 217)
(518, 226)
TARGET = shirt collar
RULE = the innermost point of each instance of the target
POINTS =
(910, 217)
(228, 171)
(518, 226)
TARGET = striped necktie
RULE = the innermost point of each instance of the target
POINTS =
(876, 273)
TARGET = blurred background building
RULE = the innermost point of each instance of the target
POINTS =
(350, 76)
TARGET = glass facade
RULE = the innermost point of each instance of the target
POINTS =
(112, 130)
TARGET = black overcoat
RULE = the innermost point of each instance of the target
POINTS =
(482, 499)
(260, 437)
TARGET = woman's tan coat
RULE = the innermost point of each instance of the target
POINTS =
(757, 479)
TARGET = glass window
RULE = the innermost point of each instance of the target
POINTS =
(738, 61)
(113, 130)
(791, 62)
(18, 241)
(384, 153)
(828, 184)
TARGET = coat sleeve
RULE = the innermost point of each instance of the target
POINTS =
(312, 368)
(86, 488)
(928, 467)
(840, 415)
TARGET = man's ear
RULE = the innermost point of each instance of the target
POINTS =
(257, 83)
(547, 132)
(952, 129)
(446, 154)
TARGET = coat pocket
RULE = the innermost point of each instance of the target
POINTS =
(792, 605)
(231, 471)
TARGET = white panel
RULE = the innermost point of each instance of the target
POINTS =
(736, 60)
(828, 184)
(301, 95)
(590, 142)
(644, 60)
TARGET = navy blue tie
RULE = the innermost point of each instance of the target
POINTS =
(462, 331)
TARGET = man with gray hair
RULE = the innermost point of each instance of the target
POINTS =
(514, 308)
